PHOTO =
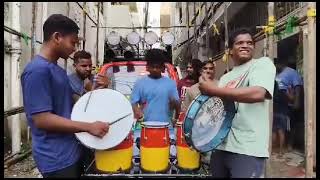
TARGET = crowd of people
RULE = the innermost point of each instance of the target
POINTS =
(49, 94)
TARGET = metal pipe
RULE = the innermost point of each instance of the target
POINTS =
(15, 32)
(142, 27)
(310, 89)
(145, 24)
(84, 27)
(15, 83)
(195, 22)
(33, 27)
(270, 53)
(207, 28)
(226, 34)
(146, 16)
(97, 50)
(86, 14)
(187, 18)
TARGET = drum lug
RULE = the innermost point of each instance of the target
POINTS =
(144, 135)
(165, 140)
(165, 137)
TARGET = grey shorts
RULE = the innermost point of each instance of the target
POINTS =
(232, 165)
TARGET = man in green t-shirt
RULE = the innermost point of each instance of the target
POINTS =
(245, 149)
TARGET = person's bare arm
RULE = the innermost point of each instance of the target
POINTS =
(297, 97)
(138, 114)
(245, 95)
(102, 81)
(53, 123)
(252, 94)
(187, 101)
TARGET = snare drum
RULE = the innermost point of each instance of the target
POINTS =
(117, 159)
(155, 145)
(188, 159)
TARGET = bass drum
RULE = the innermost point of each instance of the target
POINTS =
(208, 121)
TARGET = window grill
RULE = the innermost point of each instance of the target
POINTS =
(282, 9)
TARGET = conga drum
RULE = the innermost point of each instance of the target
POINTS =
(117, 159)
(188, 159)
(155, 146)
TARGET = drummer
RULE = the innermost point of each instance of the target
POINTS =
(208, 69)
(82, 80)
(155, 91)
(245, 149)
(47, 100)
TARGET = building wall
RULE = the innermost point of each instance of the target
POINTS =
(44, 10)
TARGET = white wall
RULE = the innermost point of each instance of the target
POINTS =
(44, 10)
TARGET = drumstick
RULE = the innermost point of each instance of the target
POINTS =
(93, 85)
(119, 119)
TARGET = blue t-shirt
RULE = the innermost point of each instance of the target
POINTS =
(155, 94)
(46, 88)
(76, 84)
(288, 78)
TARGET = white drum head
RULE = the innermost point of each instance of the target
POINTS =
(133, 38)
(154, 124)
(167, 38)
(113, 38)
(150, 37)
(105, 105)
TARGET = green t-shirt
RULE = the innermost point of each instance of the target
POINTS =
(249, 132)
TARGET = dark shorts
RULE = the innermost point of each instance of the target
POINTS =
(232, 165)
(73, 171)
(280, 121)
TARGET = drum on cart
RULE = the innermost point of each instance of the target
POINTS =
(114, 151)
(188, 158)
(117, 159)
(155, 146)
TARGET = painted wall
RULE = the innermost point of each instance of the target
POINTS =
(44, 10)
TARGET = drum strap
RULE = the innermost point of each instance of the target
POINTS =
(240, 83)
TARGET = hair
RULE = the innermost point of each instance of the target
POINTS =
(155, 57)
(197, 66)
(59, 23)
(81, 55)
(209, 61)
(237, 32)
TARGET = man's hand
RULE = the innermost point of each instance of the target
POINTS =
(205, 84)
(138, 114)
(88, 85)
(102, 81)
(98, 129)
(290, 94)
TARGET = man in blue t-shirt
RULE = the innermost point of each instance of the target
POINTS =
(289, 80)
(47, 98)
(82, 80)
(155, 92)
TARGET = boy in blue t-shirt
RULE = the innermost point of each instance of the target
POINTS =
(155, 92)
(47, 98)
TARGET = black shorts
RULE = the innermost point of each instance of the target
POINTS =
(232, 165)
(280, 121)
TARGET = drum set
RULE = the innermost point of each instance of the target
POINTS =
(114, 153)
